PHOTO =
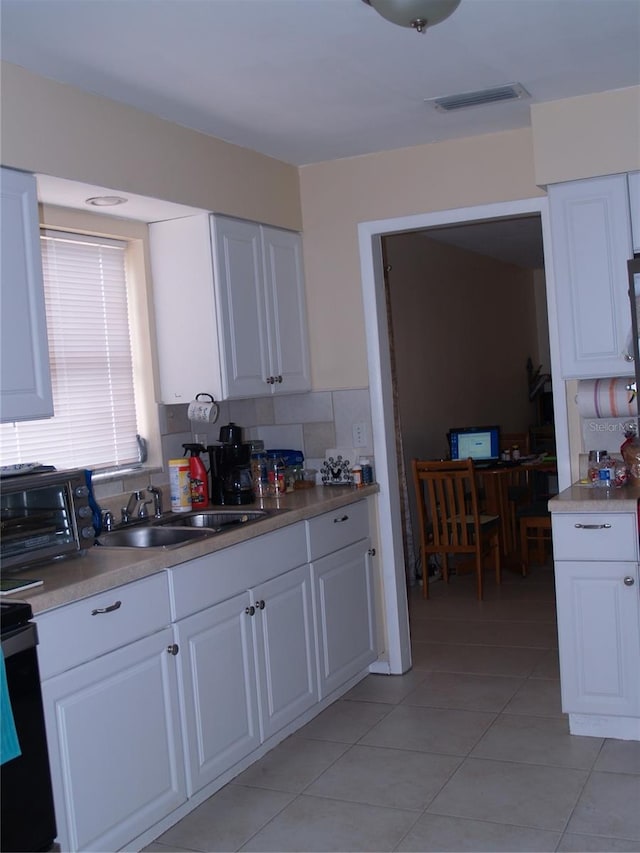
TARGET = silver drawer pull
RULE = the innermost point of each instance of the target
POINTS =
(115, 606)
(629, 581)
(342, 518)
(593, 526)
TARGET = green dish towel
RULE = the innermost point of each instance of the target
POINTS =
(9, 746)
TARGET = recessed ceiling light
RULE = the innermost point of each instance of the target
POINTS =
(105, 200)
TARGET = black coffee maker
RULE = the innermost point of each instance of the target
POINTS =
(230, 465)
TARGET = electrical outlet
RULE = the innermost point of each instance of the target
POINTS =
(360, 434)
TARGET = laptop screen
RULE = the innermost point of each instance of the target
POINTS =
(482, 444)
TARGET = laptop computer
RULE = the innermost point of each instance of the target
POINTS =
(480, 443)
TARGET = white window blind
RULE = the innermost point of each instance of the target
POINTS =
(94, 423)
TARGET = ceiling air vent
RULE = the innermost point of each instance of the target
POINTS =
(449, 103)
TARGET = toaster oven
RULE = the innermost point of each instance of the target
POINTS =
(44, 516)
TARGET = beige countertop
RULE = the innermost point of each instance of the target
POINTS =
(102, 568)
(579, 498)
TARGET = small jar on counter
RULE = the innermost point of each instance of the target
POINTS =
(356, 476)
(367, 471)
(276, 480)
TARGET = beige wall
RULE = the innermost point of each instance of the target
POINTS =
(464, 326)
(587, 136)
(55, 129)
(336, 196)
(58, 130)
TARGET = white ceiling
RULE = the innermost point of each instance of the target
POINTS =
(312, 80)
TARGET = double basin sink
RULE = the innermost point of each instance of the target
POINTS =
(173, 530)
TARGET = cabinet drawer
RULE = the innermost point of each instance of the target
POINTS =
(72, 634)
(595, 536)
(334, 530)
(216, 577)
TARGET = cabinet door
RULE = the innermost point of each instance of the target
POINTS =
(185, 309)
(285, 649)
(286, 304)
(25, 380)
(218, 681)
(591, 243)
(599, 637)
(344, 613)
(239, 280)
(115, 745)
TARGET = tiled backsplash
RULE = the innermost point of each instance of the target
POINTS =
(314, 423)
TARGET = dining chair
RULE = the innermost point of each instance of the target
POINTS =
(535, 529)
(450, 519)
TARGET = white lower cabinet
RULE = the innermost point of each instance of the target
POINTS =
(600, 641)
(219, 689)
(597, 595)
(344, 613)
(247, 670)
(340, 553)
(158, 689)
(285, 649)
(113, 722)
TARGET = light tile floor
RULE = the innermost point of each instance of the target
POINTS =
(469, 751)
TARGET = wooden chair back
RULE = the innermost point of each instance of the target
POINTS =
(450, 517)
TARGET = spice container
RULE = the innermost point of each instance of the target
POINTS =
(356, 476)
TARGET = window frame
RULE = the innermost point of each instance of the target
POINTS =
(139, 294)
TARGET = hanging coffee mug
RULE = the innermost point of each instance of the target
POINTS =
(204, 411)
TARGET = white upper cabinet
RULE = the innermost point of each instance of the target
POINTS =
(185, 309)
(230, 309)
(260, 286)
(591, 244)
(25, 380)
(634, 200)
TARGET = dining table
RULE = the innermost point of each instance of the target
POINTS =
(503, 487)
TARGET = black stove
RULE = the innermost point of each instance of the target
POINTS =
(13, 614)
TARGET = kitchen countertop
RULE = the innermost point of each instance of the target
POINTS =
(583, 498)
(101, 568)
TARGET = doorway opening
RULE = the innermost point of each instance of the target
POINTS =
(381, 389)
(469, 342)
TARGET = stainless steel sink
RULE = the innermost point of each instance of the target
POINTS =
(147, 536)
(217, 520)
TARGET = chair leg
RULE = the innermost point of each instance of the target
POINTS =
(445, 567)
(479, 573)
(425, 574)
(524, 548)
(497, 559)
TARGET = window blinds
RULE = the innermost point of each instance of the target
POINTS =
(94, 423)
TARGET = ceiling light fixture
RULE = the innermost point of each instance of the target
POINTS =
(105, 200)
(418, 14)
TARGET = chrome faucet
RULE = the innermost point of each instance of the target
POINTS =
(135, 508)
(156, 494)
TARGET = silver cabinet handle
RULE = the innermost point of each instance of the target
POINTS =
(371, 552)
(278, 379)
(173, 649)
(342, 518)
(260, 604)
(592, 526)
(627, 356)
(270, 380)
(629, 581)
(115, 606)
(250, 611)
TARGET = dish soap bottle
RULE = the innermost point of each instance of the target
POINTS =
(197, 476)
